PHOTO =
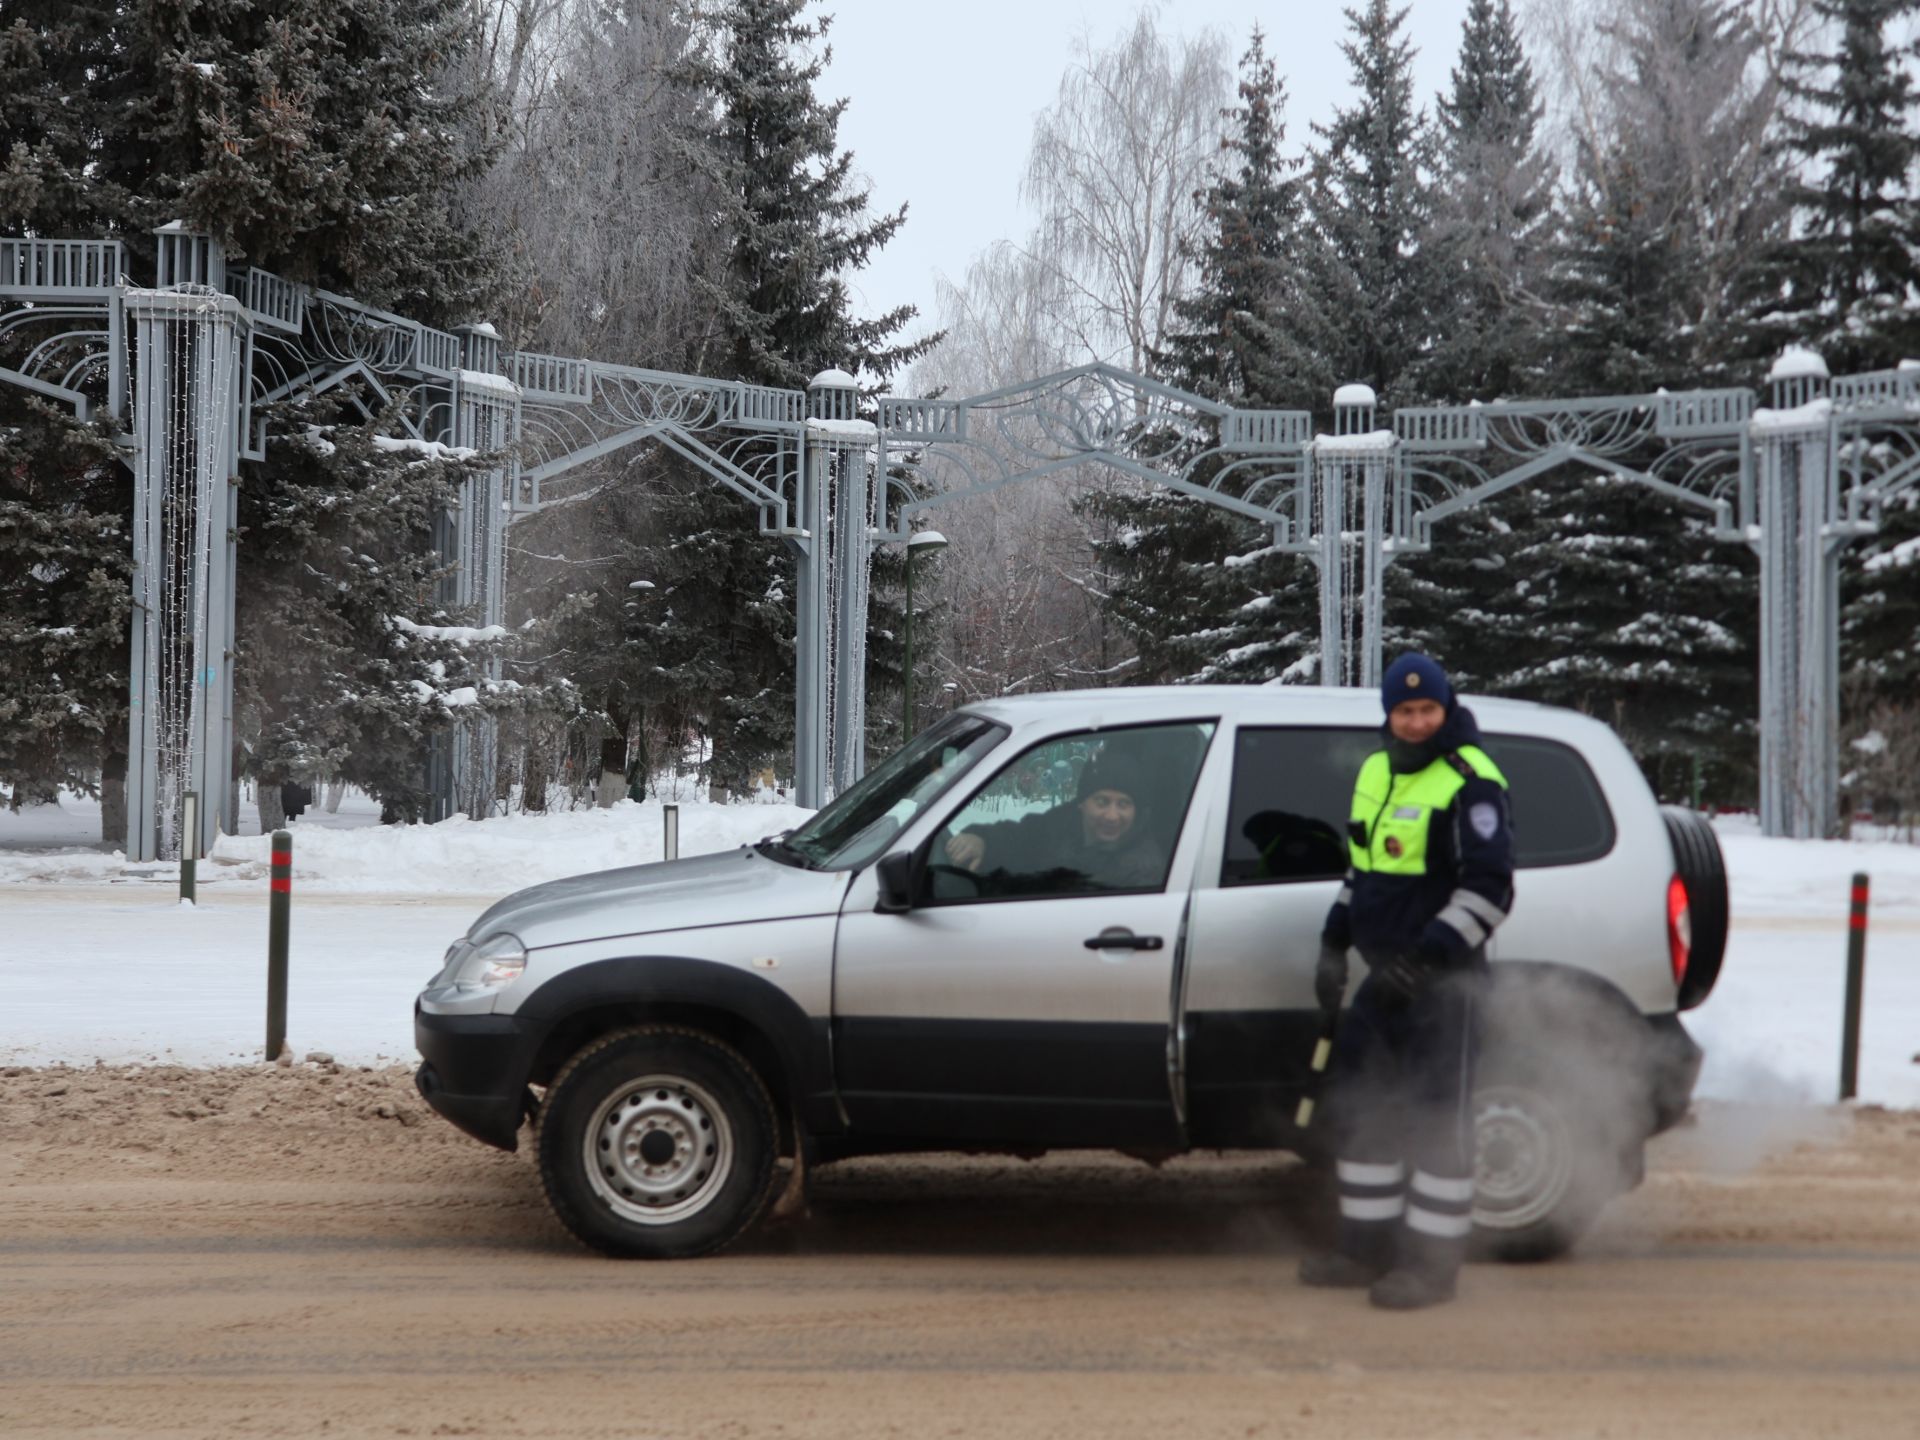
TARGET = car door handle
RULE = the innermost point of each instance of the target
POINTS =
(1118, 937)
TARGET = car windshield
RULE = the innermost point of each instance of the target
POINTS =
(856, 827)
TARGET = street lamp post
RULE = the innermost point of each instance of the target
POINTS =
(923, 540)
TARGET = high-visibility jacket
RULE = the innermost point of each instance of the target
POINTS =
(1430, 851)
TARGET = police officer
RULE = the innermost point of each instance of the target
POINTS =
(1431, 875)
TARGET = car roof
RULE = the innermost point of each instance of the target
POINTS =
(1271, 703)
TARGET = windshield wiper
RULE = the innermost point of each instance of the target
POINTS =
(778, 848)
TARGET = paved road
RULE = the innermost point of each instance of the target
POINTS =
(274, 1252)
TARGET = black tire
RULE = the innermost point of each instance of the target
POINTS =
(683, 1144)
(1702, 869)
(1541, 1178)
(1562, 1113)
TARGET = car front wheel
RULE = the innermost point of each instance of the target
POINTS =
(657, 1143)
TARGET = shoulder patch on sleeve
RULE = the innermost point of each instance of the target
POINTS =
(1485, 819)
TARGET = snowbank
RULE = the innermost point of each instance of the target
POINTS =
(351, 853)
(1809, 879)
(495, 857)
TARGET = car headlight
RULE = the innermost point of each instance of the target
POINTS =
(497, 960)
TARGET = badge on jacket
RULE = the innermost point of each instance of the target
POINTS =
(1393, 846)
(1485, 820)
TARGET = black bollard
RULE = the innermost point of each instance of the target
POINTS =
(189, 845)
(1856, 983)
(279, 907)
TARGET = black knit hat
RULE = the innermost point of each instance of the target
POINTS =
(1113, 772)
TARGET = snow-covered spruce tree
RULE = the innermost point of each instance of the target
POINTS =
(1852, 264)
(1658, 278)
(1372, 199)
(64, 563)
(1492, 215)
(65, 498)
(1200, 593)
(348, 662)
(1851, 269)
(1488, 237)
(791, 226)
(1250, 331)
(1880, 626)
(1632, 613)
(319, 140)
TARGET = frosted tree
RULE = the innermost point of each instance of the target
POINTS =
(1117, 169)
(1201, 593)
(611, 221)
(1677, 197)
(790, 227)
(1612, 598)
(348, 660)
(1007, 608)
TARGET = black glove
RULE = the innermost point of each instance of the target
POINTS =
(1403, 977)
(1330, 978)
(1406, 975)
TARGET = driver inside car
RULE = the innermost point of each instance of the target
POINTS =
(1102, 839)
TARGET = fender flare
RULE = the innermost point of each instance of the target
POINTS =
(802, 1045)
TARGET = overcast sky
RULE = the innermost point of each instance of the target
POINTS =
(942, 100)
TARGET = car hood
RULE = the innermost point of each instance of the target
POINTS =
(730, 888)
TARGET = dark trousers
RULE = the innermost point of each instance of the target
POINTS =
(1400, 1104)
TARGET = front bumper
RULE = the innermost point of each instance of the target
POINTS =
(474, 1071)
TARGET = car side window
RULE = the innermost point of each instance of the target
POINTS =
(1293, 786)
(1560, 814)
(1082, 814)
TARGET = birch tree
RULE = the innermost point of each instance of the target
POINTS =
(1117, 169)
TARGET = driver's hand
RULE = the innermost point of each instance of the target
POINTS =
(967, 850)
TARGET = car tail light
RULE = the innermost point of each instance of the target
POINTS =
(1679, 928)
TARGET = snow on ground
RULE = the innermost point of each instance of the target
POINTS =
(352, 851)
(97, 964)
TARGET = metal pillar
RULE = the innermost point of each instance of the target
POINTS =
(483, 405)
(1799, 545)
(810, 641)
(838, 488)
(1351, 469)
(852, 565)
(187, 390)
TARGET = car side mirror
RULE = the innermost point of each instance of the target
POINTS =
(895, 875)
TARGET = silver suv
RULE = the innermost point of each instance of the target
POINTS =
(865, 984)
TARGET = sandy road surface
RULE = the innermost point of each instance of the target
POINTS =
(306, 1252)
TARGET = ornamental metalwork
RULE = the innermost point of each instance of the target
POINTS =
(187, 366)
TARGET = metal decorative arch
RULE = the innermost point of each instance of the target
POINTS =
(186, 363)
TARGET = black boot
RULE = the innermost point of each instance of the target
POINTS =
(1363, 1252)
(1410, 1288)
(1335, 1270)
(1425, 1268)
